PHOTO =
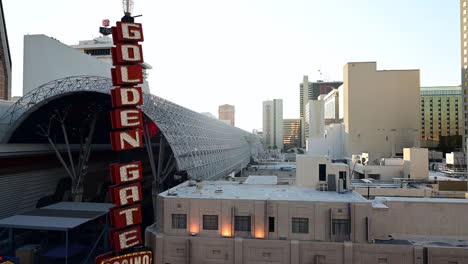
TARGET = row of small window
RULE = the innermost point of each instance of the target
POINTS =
(241, 223)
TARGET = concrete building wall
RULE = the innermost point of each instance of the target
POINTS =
(307, 170)
(315, 118)
(331, 144)
(416, 164)
(381, 109)
(420, 218)
(200, 250)
(378, 172)
(413, 219)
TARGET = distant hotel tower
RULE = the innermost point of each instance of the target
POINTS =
(464, 64)
(227, 113)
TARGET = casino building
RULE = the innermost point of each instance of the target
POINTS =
(55, 146)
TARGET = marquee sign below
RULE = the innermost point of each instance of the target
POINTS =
(142, 257)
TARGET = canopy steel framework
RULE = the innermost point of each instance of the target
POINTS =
(205, 148)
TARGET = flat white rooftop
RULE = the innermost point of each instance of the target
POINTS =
(235, 190)
(258, 179)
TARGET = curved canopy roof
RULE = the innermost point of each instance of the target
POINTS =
(204, 147)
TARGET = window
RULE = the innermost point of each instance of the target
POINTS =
(179, 221)
(98, 52)
(210, 222)
(340, 230)
(271, 224)
(322, 172)
(242, 223)
(300, 225)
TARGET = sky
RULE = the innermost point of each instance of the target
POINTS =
(206, 53)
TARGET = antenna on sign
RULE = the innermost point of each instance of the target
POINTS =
(127, 6)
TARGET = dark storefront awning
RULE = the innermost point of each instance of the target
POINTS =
(61, 216)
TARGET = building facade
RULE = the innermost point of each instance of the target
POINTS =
(62, 61)
(273, 123)
(314, 124)
(292, 133)
(228, 222)
(227, 112)
(381, 110)
(311, 91)
(5, 59)
(464, 64)
(332, 107)
(100, 48)
(441, 112)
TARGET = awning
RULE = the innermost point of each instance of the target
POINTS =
(60, 216)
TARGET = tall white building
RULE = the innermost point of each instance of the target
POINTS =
(273, 123)
(314, 119)
(64, 61)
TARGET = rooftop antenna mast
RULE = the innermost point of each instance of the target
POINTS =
(320, 72)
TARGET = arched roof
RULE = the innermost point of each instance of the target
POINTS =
(204, 147)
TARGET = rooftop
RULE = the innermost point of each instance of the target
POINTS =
(236, 190)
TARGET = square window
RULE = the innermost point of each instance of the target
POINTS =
(179, 221)
(210, 222)
(300, 225)
(242, 223)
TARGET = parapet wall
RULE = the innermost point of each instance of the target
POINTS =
(194, 250)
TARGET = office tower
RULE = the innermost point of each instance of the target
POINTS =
(292, 133)
(227, 113)
(273, 123)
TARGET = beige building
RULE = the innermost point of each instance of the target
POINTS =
(229, 222)
(331, 176)
(464, 63)
(227, 112)
(381, 109)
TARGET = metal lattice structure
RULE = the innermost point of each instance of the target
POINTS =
(205, 148)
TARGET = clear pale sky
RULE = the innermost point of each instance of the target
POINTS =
(211, 52)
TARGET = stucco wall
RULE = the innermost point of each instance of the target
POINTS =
(381, 108)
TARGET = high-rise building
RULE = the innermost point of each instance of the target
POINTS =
(464, 63)
(227, 113)
(99, 47)
(332, 107)
(292, 133)
(314, 119)
(5, 59)
(441, 112)
(381, 110)
(311, 91)
(273, 123)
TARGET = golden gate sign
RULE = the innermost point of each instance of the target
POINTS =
(126, 134)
